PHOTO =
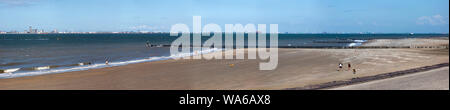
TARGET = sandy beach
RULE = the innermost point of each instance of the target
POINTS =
(296, 68)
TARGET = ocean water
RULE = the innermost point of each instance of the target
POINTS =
(35, 54)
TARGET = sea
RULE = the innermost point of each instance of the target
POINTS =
(37, 54)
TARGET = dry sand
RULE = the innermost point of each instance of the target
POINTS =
(296, 68)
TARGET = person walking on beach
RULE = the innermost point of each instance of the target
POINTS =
(349, 66)
(354, 71)
(107, 61)
(340, 66)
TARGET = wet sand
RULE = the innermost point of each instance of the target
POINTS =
(296, 68)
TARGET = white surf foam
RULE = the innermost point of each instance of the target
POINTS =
(43, 71)
(42, 68)
(356, 43)
(11, 70)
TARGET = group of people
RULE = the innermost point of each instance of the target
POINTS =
(349, 67)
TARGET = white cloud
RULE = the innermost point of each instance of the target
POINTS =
(360, 23)
(433, 20)
(17, 2)
(147, 27)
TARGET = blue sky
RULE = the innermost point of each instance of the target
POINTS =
(306, 16)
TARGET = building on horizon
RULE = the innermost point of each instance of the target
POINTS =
(54, 31)
(30, 29)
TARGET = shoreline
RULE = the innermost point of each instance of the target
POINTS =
(55, 69)
(439, 43)
(298, 67)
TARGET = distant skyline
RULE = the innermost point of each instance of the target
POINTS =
(303, 16)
